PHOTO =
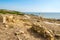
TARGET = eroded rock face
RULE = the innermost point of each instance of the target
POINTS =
(17, 27)
(43, 31)
(50, 29)
(17, 30)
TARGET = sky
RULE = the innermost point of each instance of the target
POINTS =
(31, 5)
(49, 8)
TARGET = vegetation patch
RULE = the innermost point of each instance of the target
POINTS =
(3, 11)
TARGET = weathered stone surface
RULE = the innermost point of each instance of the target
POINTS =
(43, 31)
(18, 27)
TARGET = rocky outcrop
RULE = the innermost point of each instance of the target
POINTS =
(27, 27)
(48, 34)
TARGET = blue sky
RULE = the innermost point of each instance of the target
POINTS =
(31, 5)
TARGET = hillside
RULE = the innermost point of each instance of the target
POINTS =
(16, 25)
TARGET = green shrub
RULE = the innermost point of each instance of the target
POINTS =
(3, 11)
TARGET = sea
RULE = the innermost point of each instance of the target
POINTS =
(55, 15)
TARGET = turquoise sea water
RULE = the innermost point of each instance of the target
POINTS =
(46, 15)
